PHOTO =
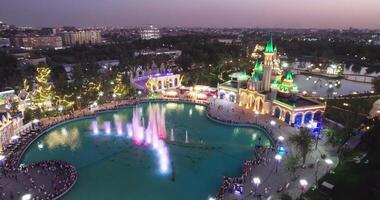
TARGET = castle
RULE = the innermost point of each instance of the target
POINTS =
(271, 90)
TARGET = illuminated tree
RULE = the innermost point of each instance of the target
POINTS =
(120, 89)
(42, 96)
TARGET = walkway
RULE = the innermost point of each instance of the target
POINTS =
(271, 181)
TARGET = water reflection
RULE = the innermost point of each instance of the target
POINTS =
(63, 138)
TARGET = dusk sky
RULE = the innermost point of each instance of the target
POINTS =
(205, 13)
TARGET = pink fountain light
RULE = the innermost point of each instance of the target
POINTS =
(154, 135)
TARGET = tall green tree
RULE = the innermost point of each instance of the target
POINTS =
(291, 164)
(303, 143)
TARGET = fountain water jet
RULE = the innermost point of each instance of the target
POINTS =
(107, 127)
(187, 138)
(171, 135)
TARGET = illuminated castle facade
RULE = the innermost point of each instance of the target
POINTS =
(270, 90)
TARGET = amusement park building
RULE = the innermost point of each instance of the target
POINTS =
(271, 90)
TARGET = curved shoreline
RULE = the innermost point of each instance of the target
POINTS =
(135, 103)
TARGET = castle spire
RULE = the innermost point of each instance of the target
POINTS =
(258, 67)
(269, 46)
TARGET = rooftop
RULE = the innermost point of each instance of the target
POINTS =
(297, 102)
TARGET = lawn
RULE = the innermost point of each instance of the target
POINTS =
(353, 181)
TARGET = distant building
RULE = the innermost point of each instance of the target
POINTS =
(229, 41)
(33, 42)
(171, 52)
(32, 61)
(72, 38)
(150, 32)
(376, 42)
(107, 64)
(3, 26)
(4, 42)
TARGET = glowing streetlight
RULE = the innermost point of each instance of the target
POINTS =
(303, 184)
(329, 162)
(281, 138)
(26, 197)
(272, 122)
(256, 181)
(278, 158)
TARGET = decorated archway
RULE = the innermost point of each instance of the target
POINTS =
(298, 119)
(308, 117)
(317, 116)
(287, 117)
(277, 112)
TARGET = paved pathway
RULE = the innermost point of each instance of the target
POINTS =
(271, 180)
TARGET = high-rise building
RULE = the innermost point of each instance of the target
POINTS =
(72, 38)
(38, 41)
(150, 32)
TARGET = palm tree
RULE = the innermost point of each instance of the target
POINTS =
(303, 142)
(291, 164)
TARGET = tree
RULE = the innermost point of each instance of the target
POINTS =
(303, 143)
(291, 164)
(120, 87)
(42, 97)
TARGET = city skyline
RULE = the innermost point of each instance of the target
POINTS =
(212, 13)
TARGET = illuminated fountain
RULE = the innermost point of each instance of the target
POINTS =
(171, 135)
(95, 128)
(187, 138)
(107, 127)
(154, 134)
(119, 127)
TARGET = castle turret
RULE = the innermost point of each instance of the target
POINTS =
(268, 64)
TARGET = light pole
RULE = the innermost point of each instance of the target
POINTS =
(303, 184)
(316, 173)
(256, 181)
(280, 139)
(278, 158)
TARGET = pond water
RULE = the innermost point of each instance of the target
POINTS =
(112, 165)
(320, 86)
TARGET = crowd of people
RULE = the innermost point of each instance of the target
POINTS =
(235, 184)
(64, 175)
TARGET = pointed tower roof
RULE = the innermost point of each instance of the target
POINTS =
(269, 47)
(258, 66)
(289, 75)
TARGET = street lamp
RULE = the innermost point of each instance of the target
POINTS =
(256, 181)
(26, 197)
(272, 122)
(329, 162)
(278, 158)
(303, 184)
